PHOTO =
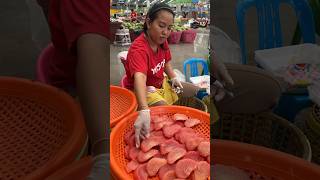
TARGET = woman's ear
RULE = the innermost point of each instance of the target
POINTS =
(148, 22)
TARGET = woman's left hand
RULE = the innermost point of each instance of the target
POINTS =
(100, 169)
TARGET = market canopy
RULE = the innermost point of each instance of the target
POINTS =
(153, 1)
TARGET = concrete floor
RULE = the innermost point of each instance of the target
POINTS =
(180, 52)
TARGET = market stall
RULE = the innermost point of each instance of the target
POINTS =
(189, 30)
(190, 15)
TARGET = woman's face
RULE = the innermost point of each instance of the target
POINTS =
(160, 28)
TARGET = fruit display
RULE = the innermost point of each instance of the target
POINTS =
(135, 26)
(173, 150)
(138, 26)
(115, 20)
(177, 27)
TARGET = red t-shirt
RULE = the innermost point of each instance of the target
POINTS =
(68, 20)
(141, 58)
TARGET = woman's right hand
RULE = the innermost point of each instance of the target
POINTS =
(222, 73)
(142, 126)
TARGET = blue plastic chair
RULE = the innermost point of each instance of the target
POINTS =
(194, 63)
(270, 37)
(269, 22)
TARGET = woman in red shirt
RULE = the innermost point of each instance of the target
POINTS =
(80, 51)
(133, 15)
(147, 60)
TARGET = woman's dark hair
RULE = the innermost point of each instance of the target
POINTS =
(153, 13)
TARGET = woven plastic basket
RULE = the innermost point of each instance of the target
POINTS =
(301, 122)
(265, 129)
(192, 102)
(263, 163)
(313, 122)
(316, 113)
(41, 129)
(117, 145)
(312, 130)
(175, 37)
(122, 103)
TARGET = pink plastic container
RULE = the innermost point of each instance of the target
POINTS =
(175, 37)
(188, 36)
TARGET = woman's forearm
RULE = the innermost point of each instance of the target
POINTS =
(169, 70)
(140, 89)
(92, 76)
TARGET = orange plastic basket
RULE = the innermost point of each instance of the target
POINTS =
(122, 103)
(118, 161)
(78, 170)
(261, 162)
(41, 129)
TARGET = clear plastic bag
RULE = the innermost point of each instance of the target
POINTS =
(39, 28)
(226, 50)
(122, 57)
(201, 43)
(180, 75)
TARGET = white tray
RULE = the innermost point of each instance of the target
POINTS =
(199, 79)
(202, 81)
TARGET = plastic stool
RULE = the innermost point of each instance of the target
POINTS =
(122, 37)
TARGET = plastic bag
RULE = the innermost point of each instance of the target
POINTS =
(201, 43)
(180, 75)
(40, 32)
(122, 57)
(226, 50)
